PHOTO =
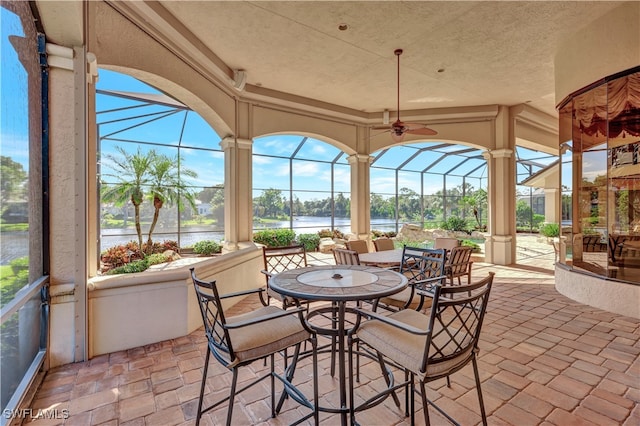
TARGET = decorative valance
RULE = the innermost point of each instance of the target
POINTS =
(611, 109)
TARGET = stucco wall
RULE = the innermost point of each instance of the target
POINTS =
(612, 296)
(601, 48)
(132, 310)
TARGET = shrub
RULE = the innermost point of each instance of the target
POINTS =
(550, 230)
(325, 233)
(122, 254)
(328, 233)
(400, 242)
(380, 234)
(274, 237)
(19, 264)
(139, 265)
(468, 243)
(154, 259)
(309, 241)
(161, 247)
(11, 284)
(207, 247)
(129, 268)
(454, 223)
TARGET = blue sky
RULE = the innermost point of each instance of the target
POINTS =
(311, 179)
(13, 85)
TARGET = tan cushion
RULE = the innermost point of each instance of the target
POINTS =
(258, 340)
(399, 299)
(286, 300)
(408, 349)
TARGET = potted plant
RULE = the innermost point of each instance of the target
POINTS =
(552, 233)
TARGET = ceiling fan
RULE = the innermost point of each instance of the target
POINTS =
(398, 129)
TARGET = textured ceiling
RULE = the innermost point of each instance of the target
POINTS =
(488, 52)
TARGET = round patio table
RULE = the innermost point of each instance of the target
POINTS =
(384, 259)
(338, 284)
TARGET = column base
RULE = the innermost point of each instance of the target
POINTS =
(498, 249)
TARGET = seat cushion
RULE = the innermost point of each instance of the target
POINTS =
(286, 300)
(265, 338)
(399, 299)
(408, 349)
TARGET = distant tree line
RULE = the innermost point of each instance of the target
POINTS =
(466, 202)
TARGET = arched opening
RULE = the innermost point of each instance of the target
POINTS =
(300, 183)
(137, 126)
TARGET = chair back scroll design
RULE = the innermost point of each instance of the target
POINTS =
(214, 320)
(429, 346)
(423, 268)
(280, 259)
(455, 322)
(259, 334)
(346, 257)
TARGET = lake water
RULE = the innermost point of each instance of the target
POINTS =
(16, 244)
(301, 225)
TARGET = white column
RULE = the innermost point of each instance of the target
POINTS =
(360, 195)
(238, 200)
(552, 205)
(70, 187)
(500, 242)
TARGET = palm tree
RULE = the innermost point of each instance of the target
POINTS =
(168, 186)
(131, 173)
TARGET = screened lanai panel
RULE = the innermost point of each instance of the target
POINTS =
(454, 189)
(523, 171)
(110, 157)
(420, 160)
(198, 133)
(154, 125)
(432, 183)
(277, 146)
(271, 172)
(409, 180)
(469, 166)
(137, 118)
(313, 149)
(342, 178)
(203, 162)
(443, 164)
(392, 158)
(383, 181)
(311, 175)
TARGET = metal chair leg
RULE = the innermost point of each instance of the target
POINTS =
(202, 385)
(386, 379)
(232, 396)
(273, 387)
(425, 404)
(475, 372)
(351, 398)
(407, 393)
(316, 390)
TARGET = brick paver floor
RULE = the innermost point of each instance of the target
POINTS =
(544, 360)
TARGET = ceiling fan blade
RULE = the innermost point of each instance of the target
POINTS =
(383, 127)
(422, 131)
(379, 133)
(413, 126)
